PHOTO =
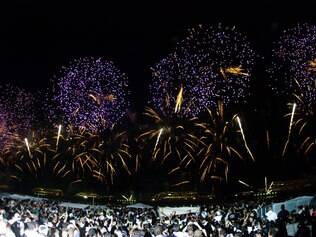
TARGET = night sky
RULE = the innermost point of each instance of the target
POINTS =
(37, 39)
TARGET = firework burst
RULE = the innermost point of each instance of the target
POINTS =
(16, 115)
(292, 74)
(91, 93)
(79, 154)
(36, 159)
(293, 64)
(93, 155)
(211, 63)
(170, 137)
(219, 145)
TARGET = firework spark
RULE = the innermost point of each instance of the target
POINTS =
(290, 129)
(237, 71)
(243, 183)
(179, 101)
(28, 147)
(158, 138)
(58, 136)
(244, 138)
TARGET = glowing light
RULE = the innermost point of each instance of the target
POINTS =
(243, 137)
(158, 137)
(312, 65)
(268, 139)
(236, 71)
(245, 184)
(28, 147)
(290, 129)
(179, 100)
(58, 136)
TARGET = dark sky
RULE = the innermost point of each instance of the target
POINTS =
(36, 39)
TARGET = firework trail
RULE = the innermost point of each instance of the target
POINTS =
(244, 138)
(58, 136)
(290, 129)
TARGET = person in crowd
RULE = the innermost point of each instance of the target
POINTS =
(27, 218)
(283, 216)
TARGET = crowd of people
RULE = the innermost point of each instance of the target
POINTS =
(27, 218)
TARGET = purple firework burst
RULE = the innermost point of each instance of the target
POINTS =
(210, 64)
(16, 113)
(293, 69)
(91, 93)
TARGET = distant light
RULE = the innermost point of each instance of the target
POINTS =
(85, 197)
(169, 194)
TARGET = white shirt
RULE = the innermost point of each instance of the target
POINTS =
(181, 234)
(271, 215)
(218, 218)
(31, 233)
(76, 233)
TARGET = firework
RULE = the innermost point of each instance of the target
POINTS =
(80, 155)
(158, 138)
(35, 158)
(179, 101)
(114, 157)
(302, 121)
(93, 155)
(290, 129)
(218, 145)
(28, 147)
(244, 138)
(58, 136)
(174, 136)
(243, 183)
(209, 64)
(293, 68)
(16, 115)
(292, 73)
(91, 93)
